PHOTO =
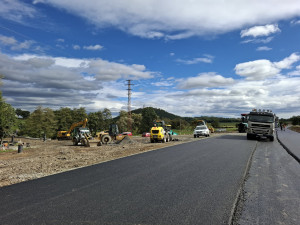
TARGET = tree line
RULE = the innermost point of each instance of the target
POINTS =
(45, 121)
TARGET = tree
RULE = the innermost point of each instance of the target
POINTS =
(136, 122)
(148, 116)
(79, 114)
(7, 118)
(179, 124)
(41, 122)
(295, 120)
(215, 123)
(64, 118)
(122, 122)
(22, 113)
(107, 118)
(95, 122)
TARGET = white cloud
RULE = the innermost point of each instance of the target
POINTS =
(8, 40)
(93, 47)
(263, 48)
(63, 82)
(31, 80)
(259, 40)
(22, 45)
(295, 22)
(16, 10)
(259, 31)
(106, 71)
(14, 44)
(262, 69)
(207, 59)
(162, 84)
(295, 72)
(180, 19)
(287, 62)
(205, 80)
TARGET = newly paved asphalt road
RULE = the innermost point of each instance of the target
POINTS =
(272, 189)
(291, 141)
(192, 183)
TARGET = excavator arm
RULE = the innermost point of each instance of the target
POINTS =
(81, 123)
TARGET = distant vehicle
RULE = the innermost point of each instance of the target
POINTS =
(201, 130)
(242, 127)
(127, 133)
(146, 134)
(261, 124)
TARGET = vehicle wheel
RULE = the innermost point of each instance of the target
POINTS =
(249, 137)
(82, 142)
(75, 142)
(106, 139)
(195, 136)
(271, 138)
(152, 141)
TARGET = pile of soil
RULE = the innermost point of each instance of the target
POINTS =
(41, 158)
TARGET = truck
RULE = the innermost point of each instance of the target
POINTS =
(261, 124)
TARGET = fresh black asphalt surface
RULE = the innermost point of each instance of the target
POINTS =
(191, 183)
(272, 188)
(291, 141)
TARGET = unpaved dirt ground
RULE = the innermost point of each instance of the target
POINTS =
(53, 156)
(295, 128)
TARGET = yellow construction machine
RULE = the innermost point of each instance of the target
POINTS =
(107, 136)
(80, 133)
(63, 135)
(160, 132)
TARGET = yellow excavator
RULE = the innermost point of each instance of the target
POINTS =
(66, 134)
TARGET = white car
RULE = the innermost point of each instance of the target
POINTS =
(201, 131)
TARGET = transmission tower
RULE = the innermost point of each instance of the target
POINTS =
(129, 125)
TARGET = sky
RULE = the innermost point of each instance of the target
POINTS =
(189, 57)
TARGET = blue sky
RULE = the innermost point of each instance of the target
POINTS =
(191, 58)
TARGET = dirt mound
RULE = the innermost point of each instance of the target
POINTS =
(126, 140)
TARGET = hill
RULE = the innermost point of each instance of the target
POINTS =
(160, 113)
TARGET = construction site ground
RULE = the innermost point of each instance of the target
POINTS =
(42, 158)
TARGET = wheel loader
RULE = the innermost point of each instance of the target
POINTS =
(160, 132)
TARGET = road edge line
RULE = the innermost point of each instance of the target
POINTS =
(287, 149)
